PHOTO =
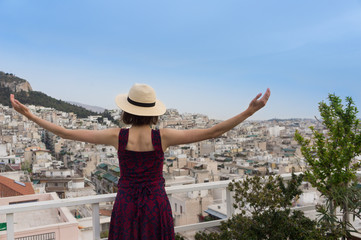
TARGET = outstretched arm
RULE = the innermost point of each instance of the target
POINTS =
(171, 137)
(107, 136)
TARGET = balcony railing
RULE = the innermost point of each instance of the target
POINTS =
(9, 210)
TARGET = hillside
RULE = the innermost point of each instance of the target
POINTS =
(13, 82)
(22, 90)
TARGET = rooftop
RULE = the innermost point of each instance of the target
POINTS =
(32, 219)
(19, 187)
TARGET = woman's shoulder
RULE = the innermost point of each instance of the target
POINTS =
(167, 132)
(114, 132)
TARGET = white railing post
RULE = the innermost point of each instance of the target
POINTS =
(229, 201)
(10, 226)
(96, 221)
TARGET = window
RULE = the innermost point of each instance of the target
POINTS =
(175, 207)
(181, 209)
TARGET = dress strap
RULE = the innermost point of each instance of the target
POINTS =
(123, 139)
(156, 140)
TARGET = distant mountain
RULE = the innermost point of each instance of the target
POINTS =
(9, 83)
(88, 107)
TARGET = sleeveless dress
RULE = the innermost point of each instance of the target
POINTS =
(141, 209)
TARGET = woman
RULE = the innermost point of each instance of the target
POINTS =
(141, 209)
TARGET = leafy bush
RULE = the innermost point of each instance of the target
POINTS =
(265, 212)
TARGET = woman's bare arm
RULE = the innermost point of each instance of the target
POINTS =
(171, 137)
(107, 136)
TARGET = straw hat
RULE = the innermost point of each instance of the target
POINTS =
(140, 101)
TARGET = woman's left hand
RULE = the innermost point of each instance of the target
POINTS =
(256, 104)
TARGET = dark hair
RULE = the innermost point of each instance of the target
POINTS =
(135, 120)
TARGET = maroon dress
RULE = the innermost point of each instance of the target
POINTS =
(141, 209)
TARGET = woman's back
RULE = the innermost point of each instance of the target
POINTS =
(140, 139)
(140, 166)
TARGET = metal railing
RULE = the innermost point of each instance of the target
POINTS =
(9, 210)
(47, 236)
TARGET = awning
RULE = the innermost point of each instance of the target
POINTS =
(3, 226)
(110, 177)
(102, 166)
(215, 214)
(36, 181)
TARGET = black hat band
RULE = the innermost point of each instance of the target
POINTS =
(139, 104)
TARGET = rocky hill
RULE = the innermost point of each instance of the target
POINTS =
(9, 83)
(15, 84)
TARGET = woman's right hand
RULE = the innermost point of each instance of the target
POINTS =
(19, 107)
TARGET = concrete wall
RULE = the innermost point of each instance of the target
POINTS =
(67, 229)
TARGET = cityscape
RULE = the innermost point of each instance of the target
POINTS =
(291, 170)
(34, 161)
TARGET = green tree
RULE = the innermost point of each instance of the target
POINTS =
(265, 212)
(26, 166)
(330, 156)
(104, 234)
(178, 237)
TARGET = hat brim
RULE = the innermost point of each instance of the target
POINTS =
(122, 102)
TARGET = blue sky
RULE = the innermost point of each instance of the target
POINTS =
(204, 56)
